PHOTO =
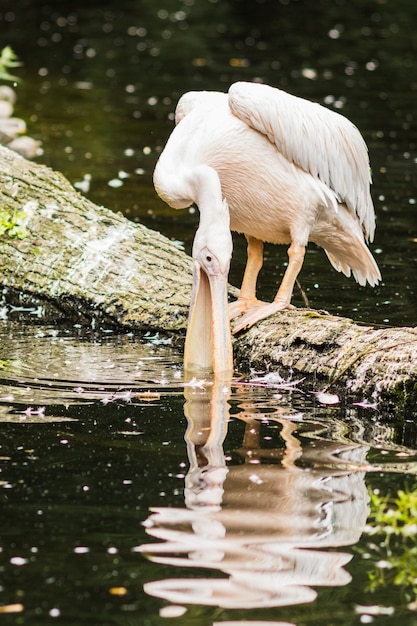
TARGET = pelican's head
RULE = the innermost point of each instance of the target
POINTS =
(208, 346)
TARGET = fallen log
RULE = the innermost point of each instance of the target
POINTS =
(381, 362)
(84, 263)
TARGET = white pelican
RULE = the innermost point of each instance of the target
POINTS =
(279, 169)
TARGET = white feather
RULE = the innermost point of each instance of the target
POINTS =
(320, 141)
(204, 100)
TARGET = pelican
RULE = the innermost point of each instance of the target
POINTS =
(278, 169)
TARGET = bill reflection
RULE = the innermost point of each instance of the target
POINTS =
(264, 524)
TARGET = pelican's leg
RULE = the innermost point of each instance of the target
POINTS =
(296, 253)
(247, 295)
(282, 300)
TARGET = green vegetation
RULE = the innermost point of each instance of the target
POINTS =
(8, 60)
(394, 516)
(393, 525)
(13, 224)
(6, 365)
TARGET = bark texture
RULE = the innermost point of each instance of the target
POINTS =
(84, 260)
(93, 266)
(362, 359)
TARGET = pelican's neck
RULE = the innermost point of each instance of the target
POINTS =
(207, 193)
(214, 211)
(213, 231)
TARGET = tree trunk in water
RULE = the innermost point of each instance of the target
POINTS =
(78, 261)
(361, 359)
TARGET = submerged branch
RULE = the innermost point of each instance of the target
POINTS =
(84, 263)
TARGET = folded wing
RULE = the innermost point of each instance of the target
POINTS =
(318, 140)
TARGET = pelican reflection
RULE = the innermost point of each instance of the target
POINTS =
(266, 521)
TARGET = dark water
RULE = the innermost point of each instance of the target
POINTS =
(127, 498)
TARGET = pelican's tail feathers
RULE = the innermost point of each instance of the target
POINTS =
(357, 260)
(338, 265)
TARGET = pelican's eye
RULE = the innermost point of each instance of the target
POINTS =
(208, 258)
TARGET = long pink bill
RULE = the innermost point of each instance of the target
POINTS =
(208, 345)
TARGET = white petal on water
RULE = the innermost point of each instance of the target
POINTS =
(115, 183)
(366, 405)
(18, 560)
(196, 383)
(374, 609)
(327, 398)
(172, 610)
(254, 478)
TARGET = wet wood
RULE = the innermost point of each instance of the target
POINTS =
(360, 359)
(84, 263)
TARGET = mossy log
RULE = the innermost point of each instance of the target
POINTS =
(362, 359)
(85, 263)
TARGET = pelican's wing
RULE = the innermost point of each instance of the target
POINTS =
(320, 141)
(201, 99)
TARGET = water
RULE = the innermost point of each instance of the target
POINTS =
(125, 496)
(125, 493)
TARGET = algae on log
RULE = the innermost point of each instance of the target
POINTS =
(93, 265)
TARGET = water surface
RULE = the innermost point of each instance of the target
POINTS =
(129, 497)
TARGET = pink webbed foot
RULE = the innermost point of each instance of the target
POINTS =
(259, 312)
(241, 305)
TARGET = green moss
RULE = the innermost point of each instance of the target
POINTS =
(311, 313)
(13, 224)
(403, 396)
(8, 60)
(6, 365)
